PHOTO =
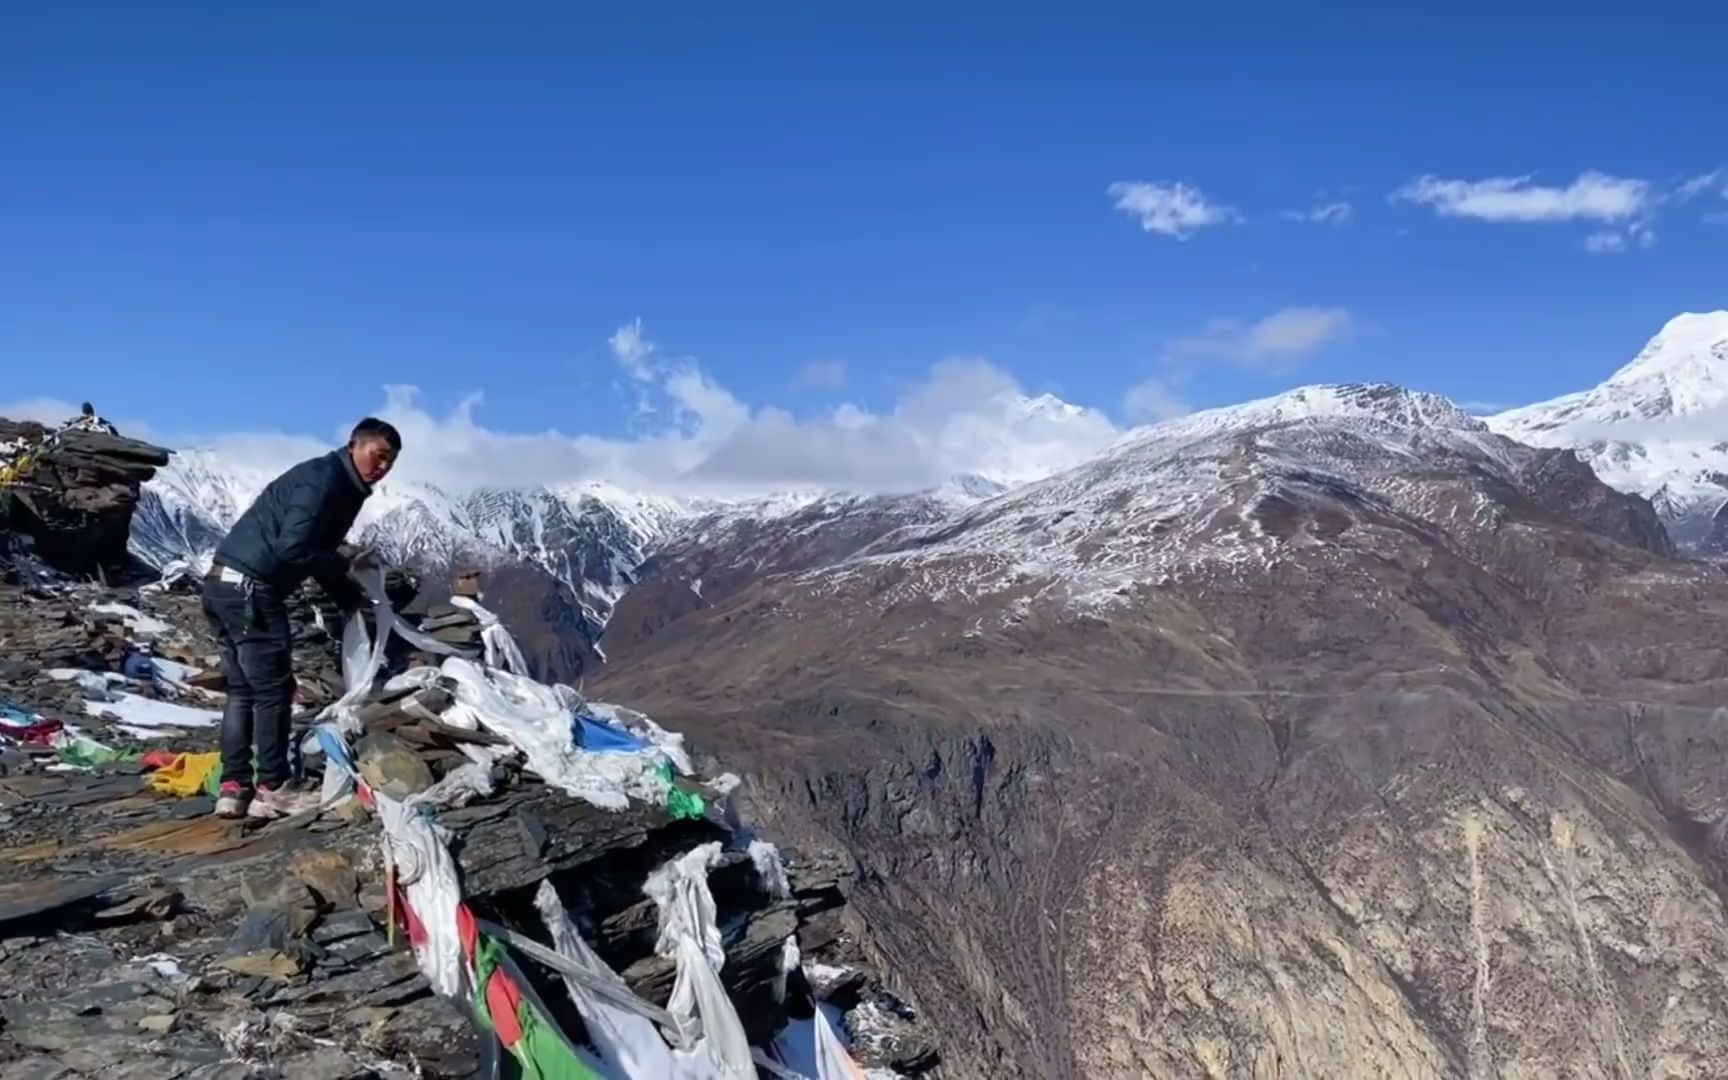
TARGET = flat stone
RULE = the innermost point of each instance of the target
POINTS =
(456, 617)
(323, 1063)
(38, 1067)
(20, 900)
(342, 925)
(196, 807)
(391, 766)
(265, 964)
(160, 904)
(330, 877)
(272, 891)
(260, 929)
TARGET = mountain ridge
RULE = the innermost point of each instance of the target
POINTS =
(590, 544)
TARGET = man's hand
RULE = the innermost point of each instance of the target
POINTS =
(363, 559)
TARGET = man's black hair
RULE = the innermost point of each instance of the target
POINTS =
(374, 428)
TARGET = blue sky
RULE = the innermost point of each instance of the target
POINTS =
(222, 219)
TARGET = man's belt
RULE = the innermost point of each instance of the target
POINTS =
(225, 574)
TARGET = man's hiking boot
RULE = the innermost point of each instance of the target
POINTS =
(282, 801)
(231, 800)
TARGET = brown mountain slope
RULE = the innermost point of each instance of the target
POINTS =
(707, 559)
(1352, 744)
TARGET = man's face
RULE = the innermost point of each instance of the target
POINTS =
(372, 459)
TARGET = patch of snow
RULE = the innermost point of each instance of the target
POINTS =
(866, 1025)
(164, 965)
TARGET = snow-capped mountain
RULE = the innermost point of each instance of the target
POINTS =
(588, 537)
(1218, 489)
(184, 511)
(1658, 427)
(1160, 498)
(1342, 659)
(589, 540)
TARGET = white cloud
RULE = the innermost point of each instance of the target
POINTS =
(1169, 209)
(965, 416)
(1594, 196)
(1281, 338)
(674, 386)
(631, 351)
(823, 375)
(1610, 241)
(1337, 213)
(1153, 400)
(1603, 243)
(53, 411)
(42, 410)
(1712, 182)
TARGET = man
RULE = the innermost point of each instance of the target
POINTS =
(294, 530)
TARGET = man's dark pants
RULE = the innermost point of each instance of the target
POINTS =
(256, 642)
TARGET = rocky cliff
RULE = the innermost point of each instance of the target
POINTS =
(1330, 736)
(145, 937)
(69, 493)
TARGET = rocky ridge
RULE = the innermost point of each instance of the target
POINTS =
(68, 494)
(145, 937)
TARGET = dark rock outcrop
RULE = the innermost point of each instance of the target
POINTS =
(69, 493)
(145, 937)
(1560, 482)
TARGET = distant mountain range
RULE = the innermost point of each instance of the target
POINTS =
(1649, 430)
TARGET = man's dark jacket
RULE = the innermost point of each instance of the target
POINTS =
(293, 529)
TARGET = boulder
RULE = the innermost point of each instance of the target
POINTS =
(70, 492)
(390, 765)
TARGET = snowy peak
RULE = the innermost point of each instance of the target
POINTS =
(1227, 491)
(1651, 429)
(1363, 405)
(966, 489)
(1683, 369)
(1045, 407)
(1384, 403)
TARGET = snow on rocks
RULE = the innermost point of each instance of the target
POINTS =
(1191, 494)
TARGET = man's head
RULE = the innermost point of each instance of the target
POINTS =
(373, 445)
